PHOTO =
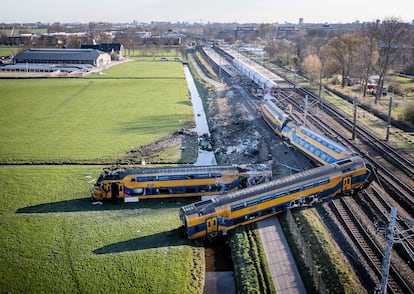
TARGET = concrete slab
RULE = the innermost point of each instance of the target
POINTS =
(220, 283)
(282, 266)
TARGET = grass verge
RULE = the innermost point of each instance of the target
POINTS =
(332, 266)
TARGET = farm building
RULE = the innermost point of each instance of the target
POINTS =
(63, 56)
(115, 49)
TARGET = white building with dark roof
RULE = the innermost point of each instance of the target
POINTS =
(63, 57)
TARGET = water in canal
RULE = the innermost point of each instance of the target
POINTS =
(204, 157)
(219, 266)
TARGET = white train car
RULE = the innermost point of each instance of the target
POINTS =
(255, 72)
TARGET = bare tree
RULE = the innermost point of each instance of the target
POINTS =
(312, 67)
(390, 35)
(340, 54)
(369, 52)
(280, 52)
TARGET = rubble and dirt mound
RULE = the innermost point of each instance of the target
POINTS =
(234, 132)
(178, 147)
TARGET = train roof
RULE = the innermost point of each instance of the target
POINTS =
(305, 176)
(275, 111)
(332, 145)
(120, 174)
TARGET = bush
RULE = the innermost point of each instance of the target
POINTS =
(251, 270)
(409, 113)
(409, 69)
(397, 89)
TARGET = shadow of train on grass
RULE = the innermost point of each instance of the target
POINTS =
(171, 238)
(85, 205)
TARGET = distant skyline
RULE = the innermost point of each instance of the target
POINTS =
(241, 11)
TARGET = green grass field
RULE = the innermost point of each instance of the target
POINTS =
(53, 240)
(91, 120)
(147, 68)
(6, 50)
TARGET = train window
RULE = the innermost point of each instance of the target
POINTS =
(238, 220)
(164, 191)
(150, 179)
(323, 182)
(216, 188)
(177, 177)
(205, 212)
(190, 190)
(268, 211)
(308, 186)
(137, 191)
(281, 194)
(252, 202)
(204, 188)
(344, 162)
(294, 190)
(189, 177)
(237, 207)
(203, 176)
(163, 178)
(201, 203)
(267, 198)
(176, 190)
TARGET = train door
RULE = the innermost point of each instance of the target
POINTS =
(115, 191)
(211, 225)
(347, 184)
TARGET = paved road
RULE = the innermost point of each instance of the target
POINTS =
(282, 266)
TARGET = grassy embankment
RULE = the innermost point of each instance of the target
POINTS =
(52, 238)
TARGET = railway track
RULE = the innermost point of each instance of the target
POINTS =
(368, 248)
(377, 209)
(400, 188)
(391, 154)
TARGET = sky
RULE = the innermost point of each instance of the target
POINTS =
(241, 11)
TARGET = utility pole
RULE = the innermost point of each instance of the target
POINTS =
(389, 120)
(320, 89)
(387, 254)
(355, 118)
(306, 109)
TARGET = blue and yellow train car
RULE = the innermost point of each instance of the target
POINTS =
(313, 144)
(216, 216)
(131, 185)
(274, 117)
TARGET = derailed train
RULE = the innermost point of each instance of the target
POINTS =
(132, 185)
(216, 216)
(247, 68)
(314, 145)
(342, 172)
